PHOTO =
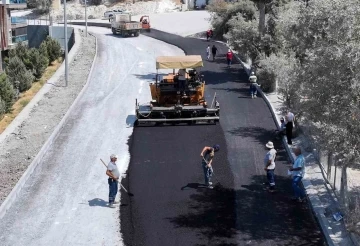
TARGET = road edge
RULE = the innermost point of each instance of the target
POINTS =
(315, 203)
(10, 199)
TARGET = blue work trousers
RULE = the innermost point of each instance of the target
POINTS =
(270, 174)
(253, 90)
(207, 173)
(113, 189)
(298, 192)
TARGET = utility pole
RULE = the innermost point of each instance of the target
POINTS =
(66, 45)
(85, 18)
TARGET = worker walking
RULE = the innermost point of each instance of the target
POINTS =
(207, 155)
(208, 52)
(214, 50)
(208, 34)
(290, 118)
(269, 162)
(229, 57)
(114, 174)
(253, 84)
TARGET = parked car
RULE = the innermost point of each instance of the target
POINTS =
(110, 13)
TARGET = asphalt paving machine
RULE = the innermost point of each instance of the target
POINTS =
(178, 97)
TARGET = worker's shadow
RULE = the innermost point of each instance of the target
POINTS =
(193, 186)
(97, 202)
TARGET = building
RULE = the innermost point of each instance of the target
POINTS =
(12, 29)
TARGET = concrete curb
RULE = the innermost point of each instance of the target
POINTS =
(10, 199)
(39, 95)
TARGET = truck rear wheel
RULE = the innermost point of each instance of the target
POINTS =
(113, 30)
(137, 34)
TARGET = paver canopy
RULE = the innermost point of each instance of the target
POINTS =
(178, 62)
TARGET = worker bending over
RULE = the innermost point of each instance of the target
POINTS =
(207, 155)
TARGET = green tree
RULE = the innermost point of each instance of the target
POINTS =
(7, 92)
(53, 49)
(39, 62)
(22, 51)
(18, 73)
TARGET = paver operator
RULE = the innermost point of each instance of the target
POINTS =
(207, 155)
(114, 174)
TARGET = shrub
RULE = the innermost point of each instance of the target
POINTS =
(91, 17)
(39, 62)
(16, 71)
(22, 51)
(7, 92)
(53, 49)
(2, 108)
(267, 80)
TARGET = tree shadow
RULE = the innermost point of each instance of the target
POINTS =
(272, 217)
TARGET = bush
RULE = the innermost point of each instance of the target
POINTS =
(39, 62)
(2, 108)
(53, 49)
(91, 17)
(7, 92)
(17, 71)
(267, 80)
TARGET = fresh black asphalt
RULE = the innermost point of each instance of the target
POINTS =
(171, 206)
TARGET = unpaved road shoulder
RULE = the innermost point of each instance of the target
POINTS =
(20, 148)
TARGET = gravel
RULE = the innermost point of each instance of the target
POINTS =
(20, 148)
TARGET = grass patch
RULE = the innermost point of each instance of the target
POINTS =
(26, 96)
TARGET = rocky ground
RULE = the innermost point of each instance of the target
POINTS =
(76, 11)
(19, 149)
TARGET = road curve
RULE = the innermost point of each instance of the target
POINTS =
(65, 200)
(171, 208)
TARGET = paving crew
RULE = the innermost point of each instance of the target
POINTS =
(213, 51)
(229, 56)
(208, 52)
(207, 155)
(253, 84)
(290, 118)
(114, 174)
(269, 162)
(298, 172)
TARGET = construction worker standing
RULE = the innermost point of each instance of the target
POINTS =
(114, 174)
(208, 52)
(229, 56)
(207, 155)
(253, 84)
(214, 50)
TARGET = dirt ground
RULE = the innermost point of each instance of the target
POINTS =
(20, 148)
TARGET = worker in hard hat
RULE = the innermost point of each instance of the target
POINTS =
(253, 84)
(207, 155)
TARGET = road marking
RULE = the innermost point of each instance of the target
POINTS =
(141, 86)
(139, 48)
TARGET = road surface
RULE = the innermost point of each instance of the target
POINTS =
(170, 206)
(65, 200)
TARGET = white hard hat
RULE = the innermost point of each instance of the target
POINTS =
(252, 73)
(113, 156)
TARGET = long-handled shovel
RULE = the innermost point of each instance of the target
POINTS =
(129, 193)
(212, 172)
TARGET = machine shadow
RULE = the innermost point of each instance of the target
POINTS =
(213, 217)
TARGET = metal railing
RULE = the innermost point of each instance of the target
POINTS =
(19, 38)
(17, 1)
(18, 20)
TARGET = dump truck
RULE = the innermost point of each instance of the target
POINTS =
(178, 97)
(122, 24)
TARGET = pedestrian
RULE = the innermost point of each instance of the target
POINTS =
(289, 126)
(207, 155)
(208, 52)
(208, 33)
(253, 84)
(214, 50)
(298, 171)
(114, 174)
(269, 162)
(282, 130)
(211, 33)
(229, 57)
